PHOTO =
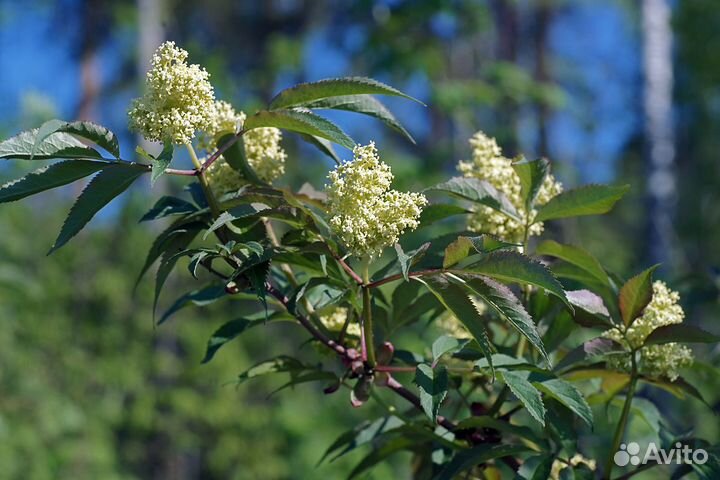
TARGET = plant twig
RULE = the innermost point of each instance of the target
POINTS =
(620, 431)
(221, 150)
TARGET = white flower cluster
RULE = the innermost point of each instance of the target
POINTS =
(655, 360)
(364, 212)
(262, 150)
(179, 99)
(489, 164)
(577, 459)
(335, 320)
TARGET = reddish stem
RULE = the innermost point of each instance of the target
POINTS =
(221, 150)
(392, 278)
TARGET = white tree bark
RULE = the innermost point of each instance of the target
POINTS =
(659, 133)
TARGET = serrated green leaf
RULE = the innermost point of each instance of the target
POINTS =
(511, 266)
(458, 250)
(440, 211)
(161, 162)
(234, 329)
(478, 191)
(45, 178)
(199, 298)
(635, 295)
(168, 258)
(102, 189)
(680, 333)
(433, 386)
(56, 145)
(301, 122)
(528, 395)
(565, 393)
(166, 241)
(455, 299)
(323, 145)
(575, 256)
(532, 174)
(167, 206)
(447, 344)
(587, 200)
(589, 302)
(467, 459)
(501, 299)
(377, 455)
(304, 93)
(365, 105)
(97, 134)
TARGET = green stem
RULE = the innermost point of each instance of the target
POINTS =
(620, 431)
(367, 314)
(522, 344)
(207, 191)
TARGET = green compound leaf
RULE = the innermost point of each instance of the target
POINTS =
(56, 145)
(501, 299)
(575, 256)
(446, 344)
(300, 122)
(433, 385)
(511, 266)
(532, 174)
(365, 105)
(305, 93)
(528, 395)
(199, 298)
(456, 300)
(680, 333)
(102, 189)
(49, 177)
(587, 200)
(478, 191)
(97, 134)
(565, 393)
(467, 459)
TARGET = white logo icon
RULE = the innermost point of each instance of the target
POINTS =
(630, 454)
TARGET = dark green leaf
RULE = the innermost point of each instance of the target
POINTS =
(467, 459)
(576, 256)
(323, 145)
(301, 122)
(362, 434)
(97, 134)
(532, 174)
(510, 266)
(455, 299)
(635, 295)
(478, 191)
(101, 190)
(280, 364)
(440, 211)
(199, 298)
(380, 453)
(587, 200)
(569, 396)
(528, 395)
(501, 299)
(167, 251)
(589, 302)
(166, 242)
(304, 93)
(446, 344)
(45, 178)
(235, 156)
(55, 145)
(363, 104)
(680, 333)
(168, 206)
(433, 385)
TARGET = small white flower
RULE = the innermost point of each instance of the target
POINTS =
(488, 164)
(335, 320)
(364, 212)
(655, 360)
(178, 100)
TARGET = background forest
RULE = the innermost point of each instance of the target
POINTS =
(610, 90)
